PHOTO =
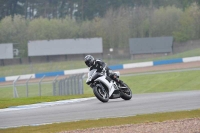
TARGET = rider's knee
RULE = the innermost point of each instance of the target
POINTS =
(114, 76)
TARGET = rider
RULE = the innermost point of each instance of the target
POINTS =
(101, 66)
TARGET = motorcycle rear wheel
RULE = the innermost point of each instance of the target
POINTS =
(101, 94)
(126, 93)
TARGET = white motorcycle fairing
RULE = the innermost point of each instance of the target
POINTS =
(110, 85)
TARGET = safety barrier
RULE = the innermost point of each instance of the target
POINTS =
(114, 67)
(72, 85)
(3, 79)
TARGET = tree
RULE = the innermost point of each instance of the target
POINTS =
(9, 7)
(189, 24)
(15, 31)
(165, 21)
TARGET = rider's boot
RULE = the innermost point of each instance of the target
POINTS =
(121, 84)
(118, 81)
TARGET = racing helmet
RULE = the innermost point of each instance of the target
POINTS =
(89, 60)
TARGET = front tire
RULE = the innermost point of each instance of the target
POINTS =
(101, 94)
(126, 93)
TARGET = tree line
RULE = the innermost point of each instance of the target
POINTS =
(80, 9)
(116, 24)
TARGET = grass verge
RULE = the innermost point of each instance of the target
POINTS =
(8, 102)
(67, 126)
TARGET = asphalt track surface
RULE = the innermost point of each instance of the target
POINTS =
(94, 109)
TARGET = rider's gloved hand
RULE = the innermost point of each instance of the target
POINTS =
(103, 70)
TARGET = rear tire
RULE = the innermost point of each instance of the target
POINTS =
(101, 94)
(126, 93)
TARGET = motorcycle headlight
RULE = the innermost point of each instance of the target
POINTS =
(88, 83)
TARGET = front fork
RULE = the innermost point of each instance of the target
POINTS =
(96, 85)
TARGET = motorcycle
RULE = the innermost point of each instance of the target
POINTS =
(104, 88)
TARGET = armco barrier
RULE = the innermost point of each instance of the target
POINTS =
(114, 67)
(49, 74)
(2, 79)
(76, 71)
(165, 62)
(190, 59)
(12, 78)
(134, 65)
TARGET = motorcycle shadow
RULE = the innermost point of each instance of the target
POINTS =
(113, 101)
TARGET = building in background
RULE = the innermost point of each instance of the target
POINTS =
(140, 47)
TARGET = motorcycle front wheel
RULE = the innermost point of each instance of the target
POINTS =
(101, 94)
(126, 93)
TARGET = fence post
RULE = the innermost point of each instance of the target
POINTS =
(15, 93)
(54, 85)
(66, 86)
(27, 85)
(64, 92)
(40, 85)
(60, 86)
(70, 85)
(79, 84)
(74, 84)
(82, 78)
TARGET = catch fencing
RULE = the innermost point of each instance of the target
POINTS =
(45, 86)
(72, 85)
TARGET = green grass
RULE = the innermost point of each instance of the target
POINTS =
(67, 126)
(165, 82)
(8, 102)
(33, 90)
(67, 65)
(40, 67)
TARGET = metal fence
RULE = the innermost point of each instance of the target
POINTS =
(72, 85)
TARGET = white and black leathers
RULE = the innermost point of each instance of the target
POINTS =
(100, 66)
